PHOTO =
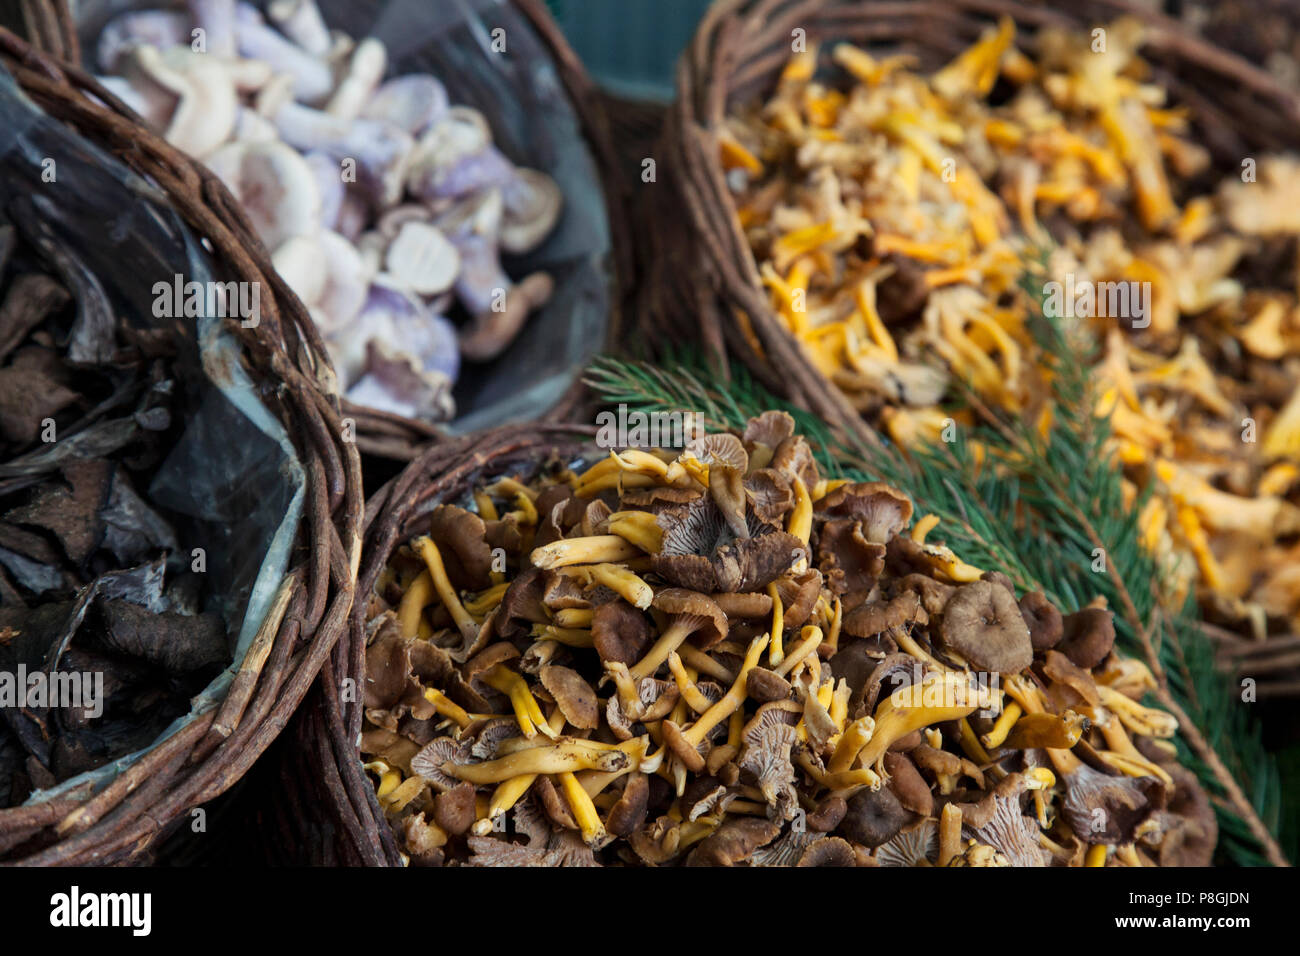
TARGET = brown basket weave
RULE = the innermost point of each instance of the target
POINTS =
(705, 281)
(325, 811)
(285, 356)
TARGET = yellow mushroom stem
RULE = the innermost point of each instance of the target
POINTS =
(1096, 855)
(690, 692)
(448, 707)
(574, 617)
(639, 528)
(949, 833)
(1006, 720)
(558, 756)
(583, 810)
(1028, 697)
(483, 602)
(526, 513)
(777, 652)
(569, 636)
(620, 580)
(702, 663)
(628, 694)
(810, 640)
(852, 740)
(800, 523)
(414, 600)
(640, 462)
(837, 623)
(527, 711)
(731, 700)
(838, 783)
(1145, 721)
(509, 792)
(486, 509)
(923, 527)
(596, 549)
(594, 781)
(682, 627)
(937, 698)
(427, 550)
(840, 703)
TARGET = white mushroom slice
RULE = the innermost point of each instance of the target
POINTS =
(347, 280)
(301, 263)
(413, 103)
(365, 70)
(158, 28)
(301, 22)
(422, 259)
(275, 186)
(205, 115)
(329, 180)
(391, 222)
(532, 206)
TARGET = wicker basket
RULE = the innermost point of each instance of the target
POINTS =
(706, 281)
(325, 811)
(285, 359)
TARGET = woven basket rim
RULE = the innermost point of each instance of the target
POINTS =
(285, 355)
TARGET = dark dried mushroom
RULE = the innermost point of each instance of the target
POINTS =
(461, 537)
(983, 624)
(882, 510)
(573, 695)
(762, 685)
(629, 813)
(829, 851)
(915, 846)
(733, 842)
(1108, 809)
(454, 810)
(1043, 620)
(908, 785)
(873, 817)
(620, 632)
(1089, 636)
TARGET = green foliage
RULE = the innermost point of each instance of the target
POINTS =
(1033, 507)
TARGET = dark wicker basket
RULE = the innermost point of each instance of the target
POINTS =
(324, 810)
(284, 356)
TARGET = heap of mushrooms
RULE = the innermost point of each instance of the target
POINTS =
(385, 208)
(722, 657)
(893, 213)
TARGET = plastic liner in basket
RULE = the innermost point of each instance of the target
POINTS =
(525, 94)
(237, 482)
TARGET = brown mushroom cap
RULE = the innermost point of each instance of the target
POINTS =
(844, 555)
(720, 448)
(908, 785)
(1089, 636)
(629, 812)
(793, 458)
(934, 594)
(829, 851)
(1103, 809)
(733, 842)
(982, 623)
(873, 817)
(461, 537)
(686, 751)
(572, 694)
(875, 617)
(698, 611)
(1043, 620)
(770, 429)
(620, 632)
(769, 494)
(454, 810)
(763, 685)
(883, 511)
(799, 592)
(828, 815)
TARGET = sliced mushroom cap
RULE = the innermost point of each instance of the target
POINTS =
(882, 510)
(873, 817)
(1089, 636)
(573, 695)
(620, 632)
(1043, 620)
(532, 207)
(983, 624)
